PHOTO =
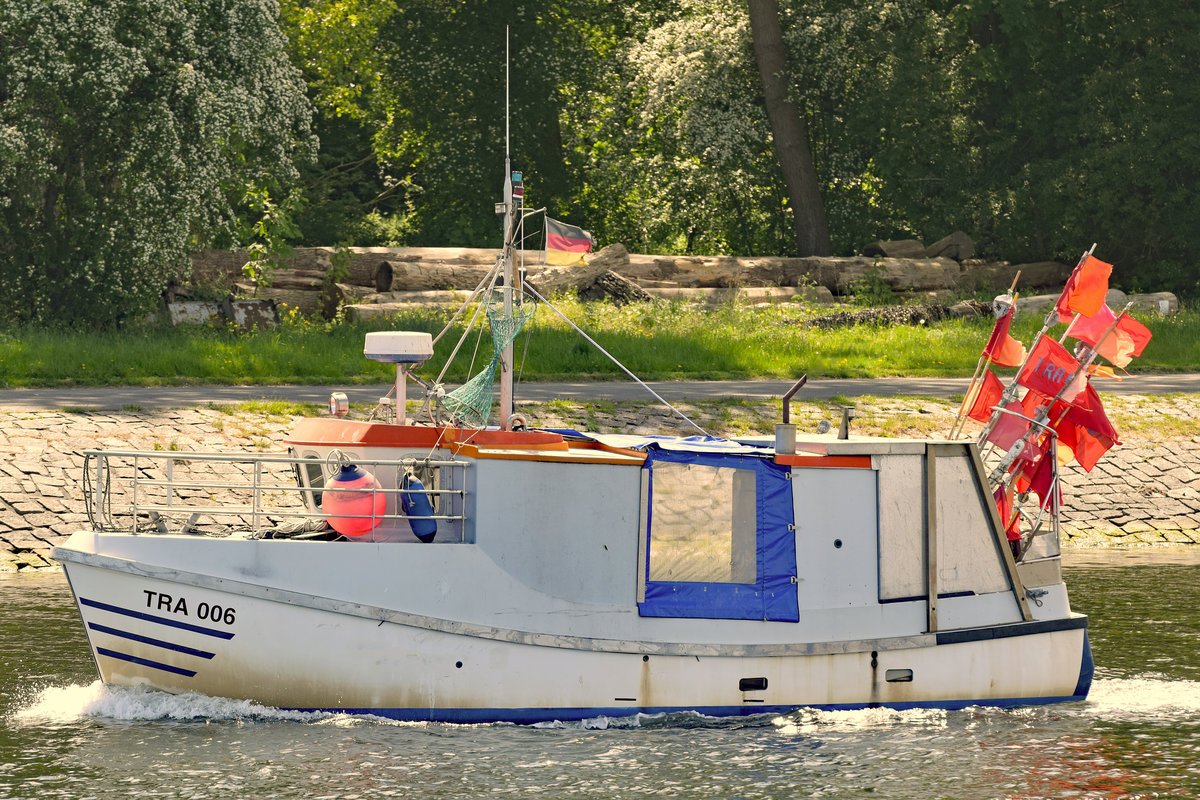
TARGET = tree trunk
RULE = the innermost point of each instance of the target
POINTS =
(408, 276)
(617, 288)
(553, 279)
(789, 131)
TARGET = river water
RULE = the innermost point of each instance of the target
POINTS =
(63, 735)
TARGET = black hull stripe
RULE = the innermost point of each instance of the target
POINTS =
(1007, 631)
(145, 662)
(178, 648)
(173, 623)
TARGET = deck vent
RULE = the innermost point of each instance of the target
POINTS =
(898, 676)
(752, 684)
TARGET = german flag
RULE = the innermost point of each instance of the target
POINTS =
(565, 244)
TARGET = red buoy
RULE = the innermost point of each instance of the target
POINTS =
(357, 503)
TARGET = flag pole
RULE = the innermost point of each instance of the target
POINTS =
(973, 388)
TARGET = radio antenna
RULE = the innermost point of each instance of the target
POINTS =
(507, 58)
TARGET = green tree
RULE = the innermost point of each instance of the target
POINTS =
(351, 195)
(681, 145)
(1037, 128)
(1085, 126)
(444, 77)
(128, 132)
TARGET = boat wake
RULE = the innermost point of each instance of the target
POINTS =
(1110, 699)
(68, 704)
(1144, 697)
(1140, 698)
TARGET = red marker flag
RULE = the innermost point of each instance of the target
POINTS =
(1010, 517)
(1001, 348)
(1011, 427)
(1128, 339)
(1089, 415)
(1090, 447)
(989, 395)
(1038, 477)
(1049, 371)
(1085, 290)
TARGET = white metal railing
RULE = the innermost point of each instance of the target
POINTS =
(147, 491)
(1040, 539)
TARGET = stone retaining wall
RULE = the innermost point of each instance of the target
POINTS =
(1145, 492)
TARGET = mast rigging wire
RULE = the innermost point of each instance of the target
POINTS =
(613, 359)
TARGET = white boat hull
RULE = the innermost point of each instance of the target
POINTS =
(284, 648)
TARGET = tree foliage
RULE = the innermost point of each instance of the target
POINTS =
(131, 130)
(128, 132)
(1084, 122)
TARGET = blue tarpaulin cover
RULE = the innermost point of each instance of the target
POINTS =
(773, 594)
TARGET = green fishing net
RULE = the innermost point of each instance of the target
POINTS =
(471, 403)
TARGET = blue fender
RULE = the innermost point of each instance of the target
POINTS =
(417, 507)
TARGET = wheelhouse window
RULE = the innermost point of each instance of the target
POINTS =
(704, 525)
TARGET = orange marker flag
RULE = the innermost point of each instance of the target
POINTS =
(1085, 290)
(1128, 339)
(1001, 348)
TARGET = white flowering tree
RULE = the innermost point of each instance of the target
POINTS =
(677, 149)
(129, 133)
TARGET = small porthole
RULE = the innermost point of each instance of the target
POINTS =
(837, 543)
(898, 676)
(458, 665)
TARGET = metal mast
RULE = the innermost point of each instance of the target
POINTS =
(509, 269)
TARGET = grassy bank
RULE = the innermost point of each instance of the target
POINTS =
(657, 341)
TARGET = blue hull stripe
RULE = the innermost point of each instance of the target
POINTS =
(145, 662)
(1087, 668)
(178, 648)
(173, 623)
(532, 715)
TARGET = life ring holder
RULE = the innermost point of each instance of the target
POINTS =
(334, 461)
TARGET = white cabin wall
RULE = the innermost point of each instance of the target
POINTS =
(901, 526)
(836, 537)
(967, 557)
(575, 536)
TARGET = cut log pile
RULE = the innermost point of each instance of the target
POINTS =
(382, 280)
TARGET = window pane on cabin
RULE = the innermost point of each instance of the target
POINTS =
(702, 525)
(314, 471)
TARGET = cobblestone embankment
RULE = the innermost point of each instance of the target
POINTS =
(1145, 492)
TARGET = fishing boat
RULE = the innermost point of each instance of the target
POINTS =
(450, 568)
